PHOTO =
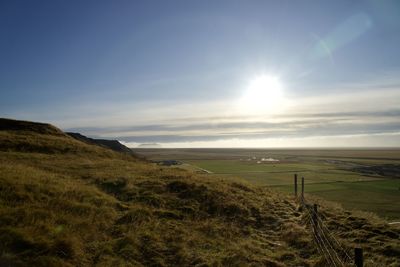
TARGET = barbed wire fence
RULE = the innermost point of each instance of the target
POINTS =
(327, 243)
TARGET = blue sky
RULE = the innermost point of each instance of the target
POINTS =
(173, 72)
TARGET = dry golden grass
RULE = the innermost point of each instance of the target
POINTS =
(67, 203)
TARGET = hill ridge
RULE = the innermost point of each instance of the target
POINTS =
(22, 125)
(111, 144)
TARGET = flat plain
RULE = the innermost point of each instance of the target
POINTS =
(360, 179)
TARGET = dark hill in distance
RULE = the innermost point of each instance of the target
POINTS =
(111, 144)
(149, 145)
(67, 202)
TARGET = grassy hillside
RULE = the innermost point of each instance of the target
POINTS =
(64, 202)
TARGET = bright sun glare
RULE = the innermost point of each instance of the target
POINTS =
(264, 94)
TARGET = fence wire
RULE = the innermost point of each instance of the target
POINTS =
(327, 243)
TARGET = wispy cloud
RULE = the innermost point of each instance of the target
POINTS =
(349, 111)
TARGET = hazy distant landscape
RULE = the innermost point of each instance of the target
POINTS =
(69, 200)
(365, 179)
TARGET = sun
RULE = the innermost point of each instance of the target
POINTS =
(264, 94)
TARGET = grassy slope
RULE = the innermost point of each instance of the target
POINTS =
(67, 203)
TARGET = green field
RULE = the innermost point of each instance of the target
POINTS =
(280, 173)
(381, 196)
(332, 174)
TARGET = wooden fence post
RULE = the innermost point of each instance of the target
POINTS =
(295, 185)
(302, 189)
(358, 257)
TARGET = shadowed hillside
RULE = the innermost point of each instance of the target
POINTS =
(111, 144)
(66, 202)
(27, 126)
